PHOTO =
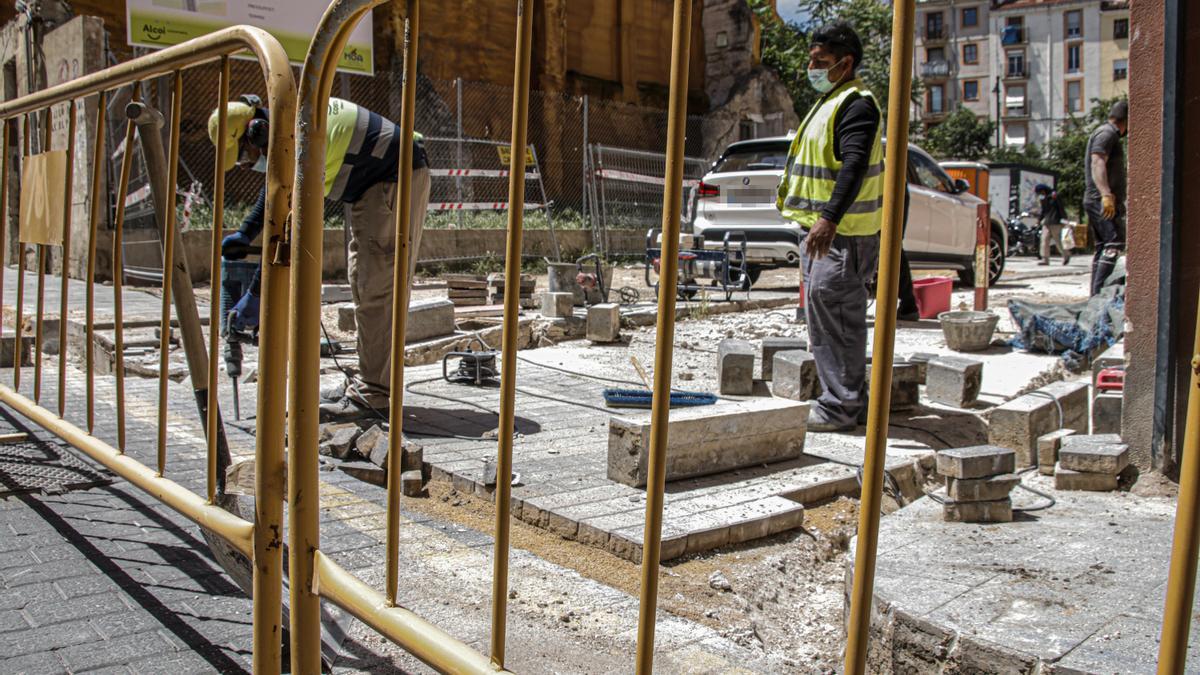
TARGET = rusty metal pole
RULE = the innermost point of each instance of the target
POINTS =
(681, 36)
(895, 163)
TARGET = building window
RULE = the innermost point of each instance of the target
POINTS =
(1121, 29)
(970, 17)
(1015, 133)
(935, 54)
(937, 98)
(1075, 96)
(1073, 24)
(970, 90)
(933, 26)
(1014, 99)
(1016, 64)
(1074, 58)
(1014, 31)
(1120, 69)
(971, 53)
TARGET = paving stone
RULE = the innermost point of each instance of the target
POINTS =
(1018, 423)
(987, 489)
(1048, 446)
(1094, 454)
(558, 305)
(368, 472)
(795, 375)
(1106, 412)
(604, 322)
(709, 439)
(954, 381)
(337, 440)
(772, 346)
(735, 367)
(1066, 479)
(905, 388)
(412, 485)
(998, 511)
(921, 361)
(979, 461)
(428, 319)
(8, 345)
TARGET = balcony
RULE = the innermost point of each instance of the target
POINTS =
(1013, 35)
(934, 34)
(1016, 111)
(1014, 72)
(935, 70)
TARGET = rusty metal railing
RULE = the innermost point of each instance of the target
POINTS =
(259, 540)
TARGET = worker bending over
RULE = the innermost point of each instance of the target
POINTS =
(833, 188)
(362, 161)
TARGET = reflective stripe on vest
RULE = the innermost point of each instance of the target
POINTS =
(812, 170)
(357, 139)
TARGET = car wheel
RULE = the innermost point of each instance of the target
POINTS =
(753, 272)
(996, 259)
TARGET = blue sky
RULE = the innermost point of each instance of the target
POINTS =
(789, 9)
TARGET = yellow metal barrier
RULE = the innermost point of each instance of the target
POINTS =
(260, 541)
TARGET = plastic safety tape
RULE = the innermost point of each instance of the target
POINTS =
(631, 177)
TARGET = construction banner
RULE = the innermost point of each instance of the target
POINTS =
(162, 23)
(43, 194)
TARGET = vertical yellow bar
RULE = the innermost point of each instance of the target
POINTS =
(214, 313)
(20, 310)
(118, 257)
(895, 163)
(4, 153)
(400, 294)
(40, 311)
(164, 343)
(681, 36)
(97, 200)
(65, 288)
(512, 287)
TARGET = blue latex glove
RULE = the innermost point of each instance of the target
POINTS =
(244, 315)
(235, 246)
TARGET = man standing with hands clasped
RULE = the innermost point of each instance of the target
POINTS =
(833, 188)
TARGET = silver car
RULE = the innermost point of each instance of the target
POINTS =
(738, 194)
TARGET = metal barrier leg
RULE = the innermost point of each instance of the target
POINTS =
(64, 289)
(99, 160)
(681, 37)
(885, 340)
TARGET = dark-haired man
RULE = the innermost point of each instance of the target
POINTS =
(1104, 194)
(833, 188)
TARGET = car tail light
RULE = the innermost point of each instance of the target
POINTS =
(708, 190)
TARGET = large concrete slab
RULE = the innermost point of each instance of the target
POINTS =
(1018, 423)
(709, 439)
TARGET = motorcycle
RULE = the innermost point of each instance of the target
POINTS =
(1024, 235)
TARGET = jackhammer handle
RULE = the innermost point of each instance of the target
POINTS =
(244, 250)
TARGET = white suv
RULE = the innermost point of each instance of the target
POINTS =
(738, 194)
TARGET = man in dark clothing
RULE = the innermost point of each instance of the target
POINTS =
(1104, 194)
(833, 188)
(1050, 216)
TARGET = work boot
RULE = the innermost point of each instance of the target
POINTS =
(1066, 260)
(819, 423)
(349, 409)
(906, 314)
(1044, 261)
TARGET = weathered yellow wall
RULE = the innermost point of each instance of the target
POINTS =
(1111, 50)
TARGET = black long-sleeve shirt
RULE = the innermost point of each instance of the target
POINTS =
(855, 127)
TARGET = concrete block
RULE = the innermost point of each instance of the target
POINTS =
(604, 322)
(905, 387)
(1047, 450)
(998, 511)
(334, 293)
(337, 440)
(1018, 423)
(8, 348)
(412, 485)
(954, 381)
(794, 374)
(1066, 479)
(1106, 412)
(427, 319)
(368, 472)
(921, 361)
(773, 345)
(346, 321)
(1112, 357)
(558, 305)
(987, 489)
(709, 439)
(979, 461)
(735, 365)
(1094, 454)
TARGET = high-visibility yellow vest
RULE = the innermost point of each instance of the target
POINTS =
(357, 141)
(812, 169)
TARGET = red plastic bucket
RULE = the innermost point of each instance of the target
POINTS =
(933, 295)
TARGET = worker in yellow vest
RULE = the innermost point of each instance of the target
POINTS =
(833, 188)
(362, 161)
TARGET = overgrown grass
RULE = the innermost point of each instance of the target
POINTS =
(567, 219)
(202, 216)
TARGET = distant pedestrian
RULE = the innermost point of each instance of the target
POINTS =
(1051, 215)
(833, 188)
(1104, 196)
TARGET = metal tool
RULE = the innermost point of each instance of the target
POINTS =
(475, 367)
(592, 280)
(726, 267)
(236, 277)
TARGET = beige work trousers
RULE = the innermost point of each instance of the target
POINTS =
(372, 253)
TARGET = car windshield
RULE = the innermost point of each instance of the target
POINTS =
(752, 158)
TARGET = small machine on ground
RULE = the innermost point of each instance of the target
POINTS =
(725, 267)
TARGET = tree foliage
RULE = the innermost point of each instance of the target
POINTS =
(962, 135)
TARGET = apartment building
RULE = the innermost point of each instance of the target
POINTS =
(1029, 63)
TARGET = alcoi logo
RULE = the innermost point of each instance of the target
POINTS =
(153, 31)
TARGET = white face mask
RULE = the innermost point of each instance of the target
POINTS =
(261, 165)
(819, 78)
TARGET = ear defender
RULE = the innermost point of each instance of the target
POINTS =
(258, 133)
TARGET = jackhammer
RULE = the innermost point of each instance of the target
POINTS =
(236, 276)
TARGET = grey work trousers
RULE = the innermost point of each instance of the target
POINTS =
(835, 303)
(370, 268)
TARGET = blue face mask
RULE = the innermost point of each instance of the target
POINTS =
(819, 79)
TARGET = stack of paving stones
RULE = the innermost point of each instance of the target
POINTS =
(1091, 463)
(467, 290)
(978, 482)
(495, 288)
